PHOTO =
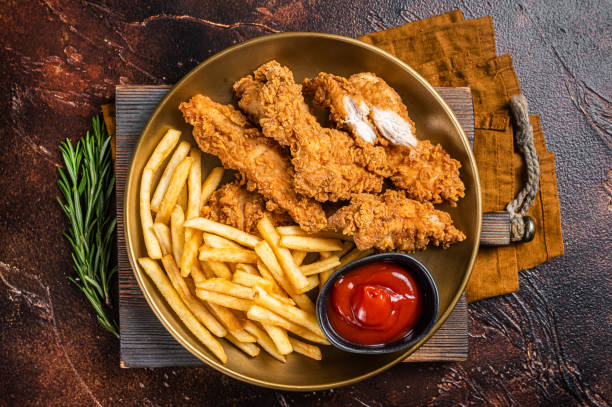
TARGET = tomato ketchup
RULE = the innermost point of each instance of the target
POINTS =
(375, 303)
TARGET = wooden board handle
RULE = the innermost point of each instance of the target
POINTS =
(496, 229)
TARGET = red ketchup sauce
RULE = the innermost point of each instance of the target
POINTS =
(374, 304)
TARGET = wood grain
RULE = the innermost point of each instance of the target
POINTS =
(144, 340)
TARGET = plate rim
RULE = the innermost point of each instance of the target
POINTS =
(210, 361)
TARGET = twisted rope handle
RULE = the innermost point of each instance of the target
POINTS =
(518, 207)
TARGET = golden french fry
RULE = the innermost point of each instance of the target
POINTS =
(279, 337)
(298, 256)
(228, 301)
(218, 242)
(146, 219)
(313, 282)
(171, 196)
(294, 314)
(233, 324)
(194, 183)
(162, 232)
(169, 293)
(281, 298)
(302, 300)
(249, 348)
(222, 230)
(267, 257)
(305, 349)
(179, 154)
(283, 255)
(198, 309)
(250, 280)
(226, 287)
(163, 149)
(190, 253)
(182, 199)
(346, 247)
(353, 255)
(217, 268)
(264, 340)
(320, 266)
(177, 233)
(210, 184)
(197, 274)
(326, 255)
(228, 255)
(310, 244)
(295, 230)
(247, 268)
(263, 315)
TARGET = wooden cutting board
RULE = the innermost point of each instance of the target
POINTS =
(144, 340)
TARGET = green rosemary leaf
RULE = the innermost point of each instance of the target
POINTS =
(87, 184)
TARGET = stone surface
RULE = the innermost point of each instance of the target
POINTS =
(547, 344)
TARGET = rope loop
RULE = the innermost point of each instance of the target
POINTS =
(518, 207)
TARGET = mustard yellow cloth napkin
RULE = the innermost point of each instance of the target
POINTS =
(450, 51)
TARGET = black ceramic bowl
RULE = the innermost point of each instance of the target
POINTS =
(429, 315)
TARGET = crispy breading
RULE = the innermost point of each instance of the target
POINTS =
(234, 205)
(223, 131)
(329, 164)
(365, 105)
(391, 221)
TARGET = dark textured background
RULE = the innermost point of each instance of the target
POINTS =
(547, 344)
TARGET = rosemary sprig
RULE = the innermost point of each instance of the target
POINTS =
(87, 185)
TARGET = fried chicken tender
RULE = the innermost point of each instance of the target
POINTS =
(374, 113)
(329, 164)
(391, 221)
(234, 205)
(225, 132)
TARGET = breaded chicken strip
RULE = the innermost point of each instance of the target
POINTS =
(391, 221)
(329, 164)
(233, 205)
(224, 131)
(373, 111)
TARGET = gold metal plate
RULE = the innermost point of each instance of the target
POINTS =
(307, 54)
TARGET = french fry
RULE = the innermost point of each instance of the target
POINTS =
(194, 184)
(162, 232)
(169, 293)
(241, 334)
(179, 154)
(218, 242)
(302, 300)
(218, 269)
(296, 278)
(264, 340)
(197, 275)
(313, 282)
(249, 348)
(222, 230)
(298, 256)
(295, 230)
(190, 253)
(182, 200)
(198, 309)
(263, 315)
(170, 199)
(346, 247)
(294, 314)
(281, 298)
(230, 321)
(310, 244)
(247, 268)
(227, 301)
(325, 275)
(146, 219)
(320, 266)
(353, 255)
(267, 257)
(163, 149)
(226, 287)
(279, 337)
(228, 255)
(249, 280)
(177, 218)
(305, 349)
(326, 255)
(210, 184)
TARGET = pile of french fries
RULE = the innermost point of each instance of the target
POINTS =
(225, 283)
